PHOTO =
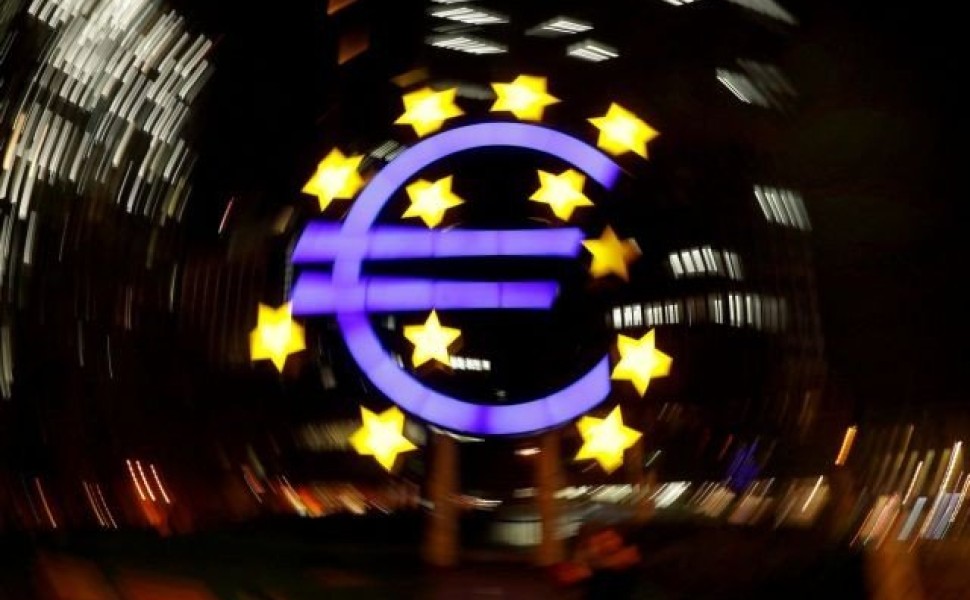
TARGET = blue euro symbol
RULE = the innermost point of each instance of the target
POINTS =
(352, 297)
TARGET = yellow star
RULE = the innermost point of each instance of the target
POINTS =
(431, 340)
(336, 177)
(426, 109)
(276, 335)
(611, 255)
(605, 440)
(381, 436)
(430, 200)
(640, 360)
(563, 192)
(525, 97)
(622, 131)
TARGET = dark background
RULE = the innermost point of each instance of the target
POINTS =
(881, 144)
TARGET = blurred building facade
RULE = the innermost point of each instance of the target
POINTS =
(150, 191)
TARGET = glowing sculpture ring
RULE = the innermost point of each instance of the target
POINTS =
(351, 299)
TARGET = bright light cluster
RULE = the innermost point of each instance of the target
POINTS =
(694, 262)
(783, 207)
(736, 309)
(99, 128)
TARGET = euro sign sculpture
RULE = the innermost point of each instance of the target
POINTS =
(352, 297)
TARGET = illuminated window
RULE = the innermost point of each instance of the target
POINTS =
(672, 312)
(469, 14)
(706, 260)
(783, 207)
(388, 148)
(733, 265)
(768, 8)
(592, 50)
(741, 86)
(676, 265)
(466, 43)
(560, 26)
(464, 363)
(716, 308)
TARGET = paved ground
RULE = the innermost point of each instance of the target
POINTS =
(305, 561)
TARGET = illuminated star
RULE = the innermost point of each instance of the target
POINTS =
(381, 436)
(605, 440)
(622, 131)
(276, 335)
(336, 177)
(525, 97)
(611, 255)
(431, 340)
(640, 361)
(430, 200)
(426, 109)
(563, 192)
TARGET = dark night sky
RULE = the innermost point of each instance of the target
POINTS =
(880, 143)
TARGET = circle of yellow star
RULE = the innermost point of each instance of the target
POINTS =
(276, 335)
(431, 340)
(640, 361)
(622, 131)
(425, 110)
(563, 192)
(430, 200)
(336, 177)
(381, 436)
(605, 440)
(525, 97)
(611, 255)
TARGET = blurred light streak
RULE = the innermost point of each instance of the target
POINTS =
(107, 343)
(887, 518)
(148, 487)
(94, 505)
(43, 499)
(768, 8)
(963, 495)
(467, 43)
(469, 14)
(253, 484)
(668, 493)
(940, 495)
(293, 497)
(559, 26)
(158, 482)
(592, 51)
(225, 215)
(351, 45)
(811, 496)
(104, 506)
(134, 480)
(782, 206)
(734, 82)
(334, 6)
(912, 482)
(913, 517)
(705, 260)
(846, 447)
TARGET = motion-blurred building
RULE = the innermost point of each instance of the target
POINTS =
(150, 192)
